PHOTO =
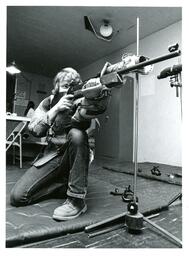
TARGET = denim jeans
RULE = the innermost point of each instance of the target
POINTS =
(66, 174)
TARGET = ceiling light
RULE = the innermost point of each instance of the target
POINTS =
(12, 69)
(105, 32)
(106, 29)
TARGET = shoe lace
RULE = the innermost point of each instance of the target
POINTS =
(69, 202)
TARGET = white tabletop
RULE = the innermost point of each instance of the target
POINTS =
(18, 118)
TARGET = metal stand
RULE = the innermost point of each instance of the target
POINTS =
(15, 91)
(133, 218)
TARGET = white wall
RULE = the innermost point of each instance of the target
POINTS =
(159, 108)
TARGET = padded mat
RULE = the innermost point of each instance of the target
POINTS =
(169, 174)
(34, 223)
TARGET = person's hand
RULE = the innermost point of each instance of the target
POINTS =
(65, 102)
(91, 83)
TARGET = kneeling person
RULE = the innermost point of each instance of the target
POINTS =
(61, 170)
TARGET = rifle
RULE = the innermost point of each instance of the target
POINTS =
(113, 75)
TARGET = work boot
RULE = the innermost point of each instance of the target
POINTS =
(70, 209)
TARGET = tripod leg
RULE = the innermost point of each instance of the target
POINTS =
(100, 232)
(165, 232)
(104, 222)
(175, 198)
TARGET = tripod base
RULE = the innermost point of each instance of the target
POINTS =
(134, 222)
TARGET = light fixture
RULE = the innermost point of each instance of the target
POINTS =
(106, 29)
(12, 69)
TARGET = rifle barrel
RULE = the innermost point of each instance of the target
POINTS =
(150, 62)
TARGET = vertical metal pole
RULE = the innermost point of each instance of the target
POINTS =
(15, 91)
(136, 121)
(180, 80)
(137, 36)
(136, 134)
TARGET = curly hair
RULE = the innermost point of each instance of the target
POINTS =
(70, 75)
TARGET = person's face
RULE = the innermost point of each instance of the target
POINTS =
(64, 84)
(63, 87)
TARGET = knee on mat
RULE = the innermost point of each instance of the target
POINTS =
(77, 137)
(17, 198)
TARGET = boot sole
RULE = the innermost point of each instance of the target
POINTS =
(57, 217)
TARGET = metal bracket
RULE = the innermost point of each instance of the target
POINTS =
(112, 79)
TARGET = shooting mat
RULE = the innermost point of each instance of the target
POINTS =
(34, 223)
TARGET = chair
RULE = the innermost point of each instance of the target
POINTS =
(15, 140)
